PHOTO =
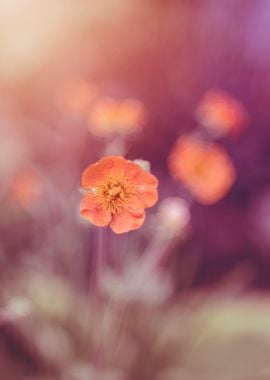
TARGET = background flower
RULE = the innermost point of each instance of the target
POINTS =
(204, 168)
(115, 116)
(221, 114)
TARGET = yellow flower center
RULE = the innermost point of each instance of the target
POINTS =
(113, 190)
(113, 195)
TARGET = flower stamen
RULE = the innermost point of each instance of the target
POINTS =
(113, 195)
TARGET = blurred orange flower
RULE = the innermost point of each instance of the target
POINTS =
(117, 192)
(76, 96)
(112, 116)
(205, 168)
(25, 187)
(221, 114)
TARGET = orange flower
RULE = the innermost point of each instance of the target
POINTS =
(117, 192)
(221, 114)
(204, 168)
(110, 116)
(76, 96)
(25, 187)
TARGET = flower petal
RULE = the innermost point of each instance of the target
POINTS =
(95, 173)
(93, 213)
(125, 222)
(147, 179)
(146, 184)
(148, 196)
(135, 206)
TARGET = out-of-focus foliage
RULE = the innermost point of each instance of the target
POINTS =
(49, 332)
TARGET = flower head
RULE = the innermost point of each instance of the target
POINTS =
(111, 116)
(76, 96)
(25, 187)
(117, 192)
(204, 168)
(221, 114)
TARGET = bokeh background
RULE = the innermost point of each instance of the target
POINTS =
(57, 60)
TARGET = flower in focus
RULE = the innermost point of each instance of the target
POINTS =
(76, 96)
(111, 116)
(204, 168)
(221, 114)
(117, 192)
